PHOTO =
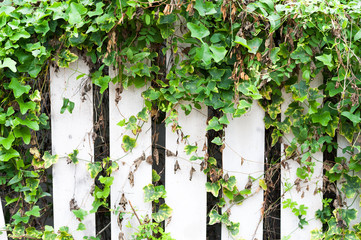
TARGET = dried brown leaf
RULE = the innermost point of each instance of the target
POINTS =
(131, 178)
(170, 153)
(249, 183)
(191, 173)
(156, 156)
(73, 205)
(176, 167)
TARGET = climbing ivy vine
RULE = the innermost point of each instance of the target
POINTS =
(225, 54)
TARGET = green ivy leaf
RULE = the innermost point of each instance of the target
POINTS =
(6, 155)
(163, 213)
(81, 227)
(66, 57)
(233, 228)
(224, 120)
(351, 186)
(143, 115)
(94, 169)
(348, 215)
(18, 88)
(35, 211)
(189, 149)
(155, 176)
(203, 54)
(20, 33)
(29, 123)
(262, 184)
(214, 217)
(8, 62)
(322, 118)
(217, 141)
(275, 21)
(128, 143)
(8, 141)
(214, 124)
(76, 11)
(80, 214)
(205, 8)
(153, 193)
(25, 106)
(357, 35)
(218, 53)
(49, 159)
(73, 156)
(242, 42)
(23, 132)
(274, 54)
(18, 218)
(98, 10)
(102, 82)
(254, 45)
(230, 183)
(213, 188)
(326, 59)
(355, 118)
(198, 30)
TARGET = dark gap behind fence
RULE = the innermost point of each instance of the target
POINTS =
(329, 188)
(214, 231)
(158, 151)
(44, 141)
(101, 151)
(272, 196)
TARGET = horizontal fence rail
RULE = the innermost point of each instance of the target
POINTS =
(185, 183)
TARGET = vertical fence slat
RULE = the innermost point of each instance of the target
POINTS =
(69, 132)
(351, 202)
(307, 193)
(243, 156)
(3, 236)
(122, 106)
(186, 193)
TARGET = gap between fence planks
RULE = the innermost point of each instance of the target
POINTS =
(184, 179)
(122, 105)
(69, 132)
(243, 156)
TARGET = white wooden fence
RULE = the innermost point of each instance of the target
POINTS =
(243, 156)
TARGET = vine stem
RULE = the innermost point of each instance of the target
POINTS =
(100, 232)
(136, 215)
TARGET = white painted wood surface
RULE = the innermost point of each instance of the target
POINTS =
(309, 194)
(69, 132)
(130, 103)
(244, 138)
(186, 192)
(350, 202)
(3, 236)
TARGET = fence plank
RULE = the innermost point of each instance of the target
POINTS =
(122, 106)
(3, 236)
(186, 193)
(351, 202)
(69, 132)
(243, 156)
(307, 193)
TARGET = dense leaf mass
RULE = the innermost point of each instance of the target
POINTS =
(224, 54)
